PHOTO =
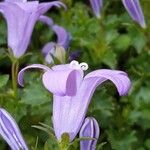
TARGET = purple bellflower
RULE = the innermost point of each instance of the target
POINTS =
(132, 6)
(72, 92)
(21, 16)
(134, 9)
(96, 6)
(50, 49)
(89, 129)
(63, 40)
(10, 131)
(56, 52)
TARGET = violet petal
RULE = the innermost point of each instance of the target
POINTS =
(96, 6)
(10, 131)
(89, 129)
(134, 9)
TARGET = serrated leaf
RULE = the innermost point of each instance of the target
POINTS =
(35, 94)
(3, 80)
(100, 146)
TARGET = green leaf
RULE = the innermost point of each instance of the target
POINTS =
(35, 94)
(123, 42)
(100, 146)
(147, 143)
(46, 146)
(3, 80)
(122, 139)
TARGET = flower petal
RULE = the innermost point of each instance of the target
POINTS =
(69, 112)
(21, 73)
(134, 9)
(48, 48)
(119, 78)
(47, 20)
(62, 81)
(15, 1)
(9, 130)
(45, 6)
(17, 20)
(63, 37)
(96, 6)
(90, 129)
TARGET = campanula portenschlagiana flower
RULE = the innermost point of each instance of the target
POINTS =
(21, 17)
(72, 92)
(96, 7)
(89, 129)
(50, 49)
(10, 131)
(132, 6)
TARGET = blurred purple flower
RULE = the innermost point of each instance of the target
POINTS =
(90, 129)
(134, 9)
(72, 92)
(21, 17)
(132, 6)
(96, 6)
(63, 39)
(46, 20)
(56, 52)
(10, 131)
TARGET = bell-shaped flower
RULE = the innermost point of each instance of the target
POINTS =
(63, 40)
(72, 92)
(89, 129)
(10, 131)
(21, 17)
(132, 6)
(134, 9)
(96, 7)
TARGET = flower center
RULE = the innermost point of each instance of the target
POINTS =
(75, 64)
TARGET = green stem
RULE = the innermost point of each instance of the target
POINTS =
(14, 71)
(62, 147)
(65, 142)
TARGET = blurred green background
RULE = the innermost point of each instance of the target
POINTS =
(114, 42)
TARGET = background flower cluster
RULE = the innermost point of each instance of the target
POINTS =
(113, 42)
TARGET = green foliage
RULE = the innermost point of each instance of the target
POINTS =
(114, 42)
(3, 80)
(35, 94)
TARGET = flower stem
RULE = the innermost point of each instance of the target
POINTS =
(14, 71)
(64, 144)
(62, 147)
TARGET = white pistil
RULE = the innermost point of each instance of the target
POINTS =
(75, 64)
(84, 66)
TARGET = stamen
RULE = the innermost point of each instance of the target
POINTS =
(84, 66)
(75, 64)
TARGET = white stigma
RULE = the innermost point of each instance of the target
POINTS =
(84, 66)
(75, 64)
